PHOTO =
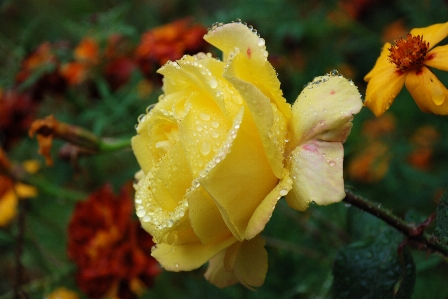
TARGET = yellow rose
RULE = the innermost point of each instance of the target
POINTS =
(212, 153)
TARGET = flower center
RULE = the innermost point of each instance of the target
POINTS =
(408, 53)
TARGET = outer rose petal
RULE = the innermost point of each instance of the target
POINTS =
(255, 68)
(205, 217)
(324, 110)
(264, 211)
(187, 257)
(217, 274)
(432, 34)
(316, 169)
(241, 179)
(438, 58)
(263, 114)
(245, 262)
(428, 92)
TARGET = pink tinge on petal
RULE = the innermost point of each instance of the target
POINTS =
(316, 171)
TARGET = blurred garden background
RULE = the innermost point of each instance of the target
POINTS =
(92, 65)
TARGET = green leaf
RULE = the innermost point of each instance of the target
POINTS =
(376, 266)
(442, 219)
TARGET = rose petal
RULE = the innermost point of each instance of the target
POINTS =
(432, 34)
(264, 211)
(156, 132)
(438, 58)
(273, 135)
(255, 68)
(203, 131)
(217, 274)
(324, 110)
(205, 217)
(251, 263)
(316, 170)
(428, 92)
(187, 257)
(242, 173)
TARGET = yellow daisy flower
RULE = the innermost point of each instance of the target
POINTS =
(408, 62)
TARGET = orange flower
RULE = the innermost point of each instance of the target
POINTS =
(86, 56)
(111, 250)
(424, 140)
(408, 63)
(87, 51)
(169, 42)
(371, 164)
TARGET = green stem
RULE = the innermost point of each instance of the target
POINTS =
(106, 145)
(413, 232)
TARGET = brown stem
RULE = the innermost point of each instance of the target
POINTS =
(414, 232)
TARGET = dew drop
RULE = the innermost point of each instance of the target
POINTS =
(283, 192)
(205, 148)
(199, 128)
(141, 213)
(332, 163)
(204, 116)
(214, 124)
(215, 134)
(213, 83)
(261, 42)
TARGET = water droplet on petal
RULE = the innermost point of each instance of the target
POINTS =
(332, 163)
(261, 42)
(283, 192)
(214, 124)
(205, 148)
(213, 83)
(215, 134)
(204, 116)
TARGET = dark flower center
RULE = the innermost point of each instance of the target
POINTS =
(408, 53)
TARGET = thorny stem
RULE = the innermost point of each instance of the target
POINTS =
(414, 232)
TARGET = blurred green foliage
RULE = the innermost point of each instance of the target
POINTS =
(304, 39)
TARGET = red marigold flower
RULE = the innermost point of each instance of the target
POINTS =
(45, 63)
(111, 250)
(169, 42)
(17, 114)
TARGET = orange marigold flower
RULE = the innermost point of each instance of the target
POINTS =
(74, 72)
(87, 51)
(111, 250)
(371, 163)
(423, 140)
(169, 42)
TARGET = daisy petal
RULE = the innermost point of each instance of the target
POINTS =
(428, 92)
(382, 89)
(432, 34)
(438, 58)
